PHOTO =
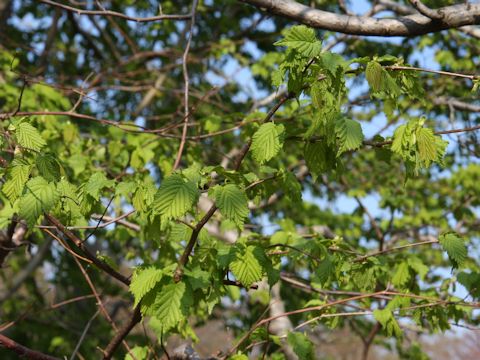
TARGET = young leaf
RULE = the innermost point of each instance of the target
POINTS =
(29, 137)
(455, 248)
(373, 73)
(143, 281)
(137, 353)
(40, 197)
(320, 158)
(349, 133)
(426, 145)
(247, 266)
(18, 177)
(232, 202)
(331, 62)
(96, 183)
(171, 304)
(387, 320)
(267, 142)
(302, 39)
(325, 270)
(302, 346)
(400, 141)
(239, 356)
(402, 275)
(48, 167)
(175, 197)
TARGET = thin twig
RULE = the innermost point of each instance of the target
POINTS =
(438, 72)
(78, 242)
(397, 248)
(186, 80)
(116, 14)
(84, 333)
(20, 97)
(182, 261)
(99, 220)
(65, 246)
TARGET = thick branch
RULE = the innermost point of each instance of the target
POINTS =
(425, 10)
(411, 25)
(81, 245)
(122, 334)
(22, 350)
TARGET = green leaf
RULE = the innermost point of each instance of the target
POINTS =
(267, 142)
(387, 320)
(247, 265)
(418, 146)
(29, 137)
(143, 281)
(332, 62)
(302, 346)
(455, 247)
(48, 167)
(426, 145)
(239, 357)
(349, 133)
(320, 158)
(232, 202)
(40, 197)
(175, 197)
(302, 39)
(139, 353)
(96, 183)
(324, 270)
(18, 174)
(383, 316)
(418, 266)
(402, 275)
(293, 188)
(171, 304)
(70, 199)
(198, 278)
(399, 140)
(470, 281)
(373, 73)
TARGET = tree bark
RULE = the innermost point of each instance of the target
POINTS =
(454, 16)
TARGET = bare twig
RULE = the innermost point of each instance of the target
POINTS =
(397, 248)
(79, 243)
(186, 80)
(116, 14)
(84, 333)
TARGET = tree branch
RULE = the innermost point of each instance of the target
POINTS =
(186, 80)
(426, 11)
(116, 14)
(81, 245)
(23, 351)
(124, 331)
(177, 276)
(454, 16)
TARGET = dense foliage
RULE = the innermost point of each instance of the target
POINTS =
(239, 167)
